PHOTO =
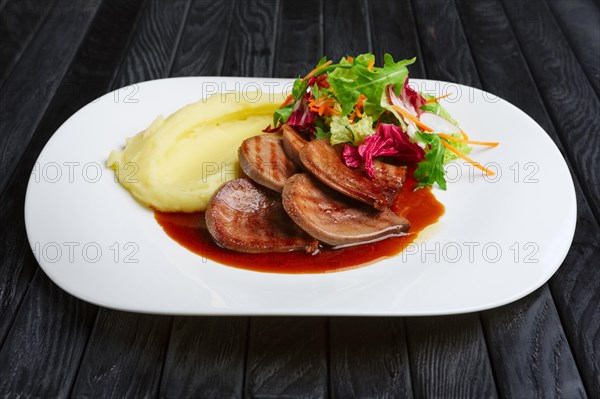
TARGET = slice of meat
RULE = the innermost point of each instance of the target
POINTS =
(292, 144)
(325, 163)
(334, 218)
(263, 159)
(245, 217)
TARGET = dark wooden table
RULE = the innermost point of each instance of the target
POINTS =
(56, 56)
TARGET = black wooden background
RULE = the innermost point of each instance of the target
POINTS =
(56, 56)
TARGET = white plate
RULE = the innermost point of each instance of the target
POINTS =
(499, 239)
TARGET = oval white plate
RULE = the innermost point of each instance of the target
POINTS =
(500, 238)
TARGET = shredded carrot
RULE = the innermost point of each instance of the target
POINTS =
(359, 105)
(464, 135)
(317, 69)
(466, 158)
(287, 101)
(349, 59)
(413, 118)
(432, 100)
(371, 64)
(452, 138)
(323, 106)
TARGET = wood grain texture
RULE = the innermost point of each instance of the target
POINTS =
(40, 355)
(341, 17)
(287, 358)
(442, 350)
(124, 356)
(567, 92)
(368, 358)
(529, 350)
(206, 358)
(250, 45)
(203, 43)
(580, 23)
(449, 358)
(511, 360)
(541, 339)
(87, 79)
(393, 31)
(28, 91)
(19, 22)
(138, 343)
(299, 43)
(152, 47)
(446, 53)
(576, 285)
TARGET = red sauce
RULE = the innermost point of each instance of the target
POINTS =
(420, 207)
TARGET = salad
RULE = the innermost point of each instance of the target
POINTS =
(373, 112)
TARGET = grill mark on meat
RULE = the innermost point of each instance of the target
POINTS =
(325, 163)
(263, 159)
(246, 217)
(334, 218)
(273, 161)
(292, 144)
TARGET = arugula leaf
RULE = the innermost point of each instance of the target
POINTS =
(349, 83)
(299, 88)
(431, 170)
(281, 115)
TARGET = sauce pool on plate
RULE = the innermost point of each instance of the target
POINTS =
(420, 207)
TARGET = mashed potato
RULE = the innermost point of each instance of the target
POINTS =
(177, 163)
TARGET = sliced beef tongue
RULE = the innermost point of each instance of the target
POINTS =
(334, 218)
(325, 163)
(292, 144)
(263, 159)
(246, 217)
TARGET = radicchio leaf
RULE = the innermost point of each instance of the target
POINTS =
(388, 141)
(302, 118)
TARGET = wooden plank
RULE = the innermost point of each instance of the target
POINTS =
(42, 351)
(576, 283)
(543, 366)
(135, 368)
(250, 46)
(393, 31)
(35, 78)
(19, 22)
(287, 358)
(449, 357)
(40, 355)
(299, 43)
(566, 90)
(346, 29)
(88, 78)
(202, 49)
(580, 23)
(511, 359)
(206, 355)
(442, 350)
(529, 350)
(205, 358)
(369, 358)
(159, 28)
(124, 356)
